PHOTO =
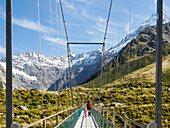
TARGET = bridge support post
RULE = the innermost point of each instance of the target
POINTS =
(56, 119)
(93, 96)
(82, 99)
(107, 116)
(63, 114)
(100, 110)
(103, 119)
(89, 95)
(9, 105)
(158, 103)
(44, 123)
(114, 118)
(78, 96)
(125, 122)
(68, 112)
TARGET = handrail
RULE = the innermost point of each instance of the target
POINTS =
(39, 121)
(66, 118)
(124, 117)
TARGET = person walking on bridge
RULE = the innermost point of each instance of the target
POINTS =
(89, 104)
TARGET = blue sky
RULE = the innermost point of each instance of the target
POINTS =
(85, 22)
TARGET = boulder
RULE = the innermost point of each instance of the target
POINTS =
(38, 106)
(101, 104)
(115, 104)
(22, 108)
(17, 116)
(166, 89)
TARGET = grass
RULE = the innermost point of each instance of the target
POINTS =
(138, 103)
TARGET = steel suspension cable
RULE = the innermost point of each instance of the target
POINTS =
(59, 47)
(63, 21)
(117, 48)
(103, 49)
(62, 37)
(57, 24)
(51, 21)
(39, 29)
(68, 50)
(114, 13)
(129, 49)
(107, 21)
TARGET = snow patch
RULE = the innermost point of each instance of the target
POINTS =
(3, 65)
(16, 71)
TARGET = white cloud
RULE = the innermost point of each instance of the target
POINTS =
(27, 23)
(30, 24)
(2, 14)
(101, 20)
(56, 40)
(87, 15)
(84, 14)
(69, 5)
(2, 50)
(89, 32)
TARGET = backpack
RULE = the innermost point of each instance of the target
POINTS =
(89, 105)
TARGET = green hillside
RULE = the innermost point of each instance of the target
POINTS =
(142, 53)
(135, 91)
(138, 103)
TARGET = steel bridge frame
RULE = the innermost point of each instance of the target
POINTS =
(158, 105)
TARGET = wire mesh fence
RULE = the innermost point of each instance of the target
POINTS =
(71, 121)
(101, 121)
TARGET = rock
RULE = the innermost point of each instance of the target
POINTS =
(38, 106)
(167, 89)
(101, 104)
(115, 104)
(149, 85)
(95, 104)
(17, 117)
(34, 89)
(22, 108)
(60, 105)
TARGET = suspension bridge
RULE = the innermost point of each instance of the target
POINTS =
(76, 117)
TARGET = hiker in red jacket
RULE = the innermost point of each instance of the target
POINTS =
(89, 104)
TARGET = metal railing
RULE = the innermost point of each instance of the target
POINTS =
(114, 116)
(101, 121)
(71, 120)
(46, 118)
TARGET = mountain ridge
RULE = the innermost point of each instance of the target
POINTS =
(30, 68)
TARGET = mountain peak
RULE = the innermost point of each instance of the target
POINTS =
(153, 18)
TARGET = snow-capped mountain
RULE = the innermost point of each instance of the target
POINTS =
(29, 69)
(34, 70)
(151, 21)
